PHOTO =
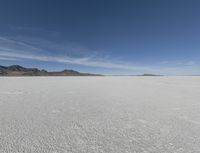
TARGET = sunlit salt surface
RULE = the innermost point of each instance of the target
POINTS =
(100, 114)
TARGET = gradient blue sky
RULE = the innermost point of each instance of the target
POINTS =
(102, 36)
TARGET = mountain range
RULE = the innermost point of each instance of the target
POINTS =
(17, 70)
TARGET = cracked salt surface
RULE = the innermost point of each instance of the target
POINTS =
(55, 111)
(11, 93)
(100, 115)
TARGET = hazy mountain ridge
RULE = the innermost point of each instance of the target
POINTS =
(149, 74)
(17, 70)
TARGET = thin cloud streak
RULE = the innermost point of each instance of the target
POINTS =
(85, 61)
(15, 43)
(19, 50)
(8, 59)
(178, 63)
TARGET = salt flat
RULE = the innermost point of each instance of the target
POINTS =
(100, 114)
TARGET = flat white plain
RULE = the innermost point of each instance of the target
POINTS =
(100, 114)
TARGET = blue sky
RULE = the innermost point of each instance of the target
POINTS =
(102, 36)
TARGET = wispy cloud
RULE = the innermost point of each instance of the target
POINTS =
(35, 49)
(13, 49)
(8, 58)
(190, 63)
(164, 62)
(178, 63)
(86, 61)
(11, 44)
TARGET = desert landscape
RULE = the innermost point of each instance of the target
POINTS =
(100, 114)
(99, 76)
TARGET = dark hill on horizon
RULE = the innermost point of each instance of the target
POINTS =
(17, 70)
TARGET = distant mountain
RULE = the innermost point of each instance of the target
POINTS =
(149, 75)
(17, 70)
(138, 75)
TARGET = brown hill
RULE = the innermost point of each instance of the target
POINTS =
(17, 70)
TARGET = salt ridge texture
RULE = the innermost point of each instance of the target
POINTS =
(100, 114)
